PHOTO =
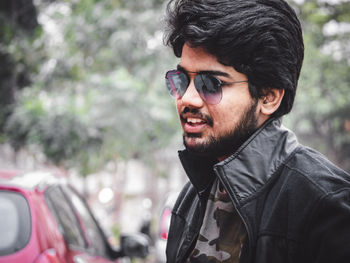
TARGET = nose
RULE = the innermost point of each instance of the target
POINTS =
(191, 98)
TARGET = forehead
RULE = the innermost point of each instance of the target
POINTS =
(196, 59)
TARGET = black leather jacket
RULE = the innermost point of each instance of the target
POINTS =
(294, 203)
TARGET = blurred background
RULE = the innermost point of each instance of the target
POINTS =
(82, 92)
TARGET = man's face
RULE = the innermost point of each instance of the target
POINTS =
(216, 130)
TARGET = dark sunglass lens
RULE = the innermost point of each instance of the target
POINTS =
(208, 88)
(176, 82)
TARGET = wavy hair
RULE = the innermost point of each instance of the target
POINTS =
(259, 38)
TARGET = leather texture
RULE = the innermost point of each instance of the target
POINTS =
(294, 203)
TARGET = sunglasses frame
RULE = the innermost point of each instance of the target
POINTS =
(174, 92)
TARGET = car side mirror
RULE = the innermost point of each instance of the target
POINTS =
(135, 245)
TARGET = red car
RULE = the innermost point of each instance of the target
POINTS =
(44, 220)
(163, 226)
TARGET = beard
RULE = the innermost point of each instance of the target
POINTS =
(229, 143)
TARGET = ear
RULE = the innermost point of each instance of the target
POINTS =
(270, 102)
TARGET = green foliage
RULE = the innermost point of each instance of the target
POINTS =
(95, 71)
(61, 136)
(322, 109)
(18, 29)
(97, 91)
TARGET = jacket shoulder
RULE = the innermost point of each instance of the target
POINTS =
(318, 170)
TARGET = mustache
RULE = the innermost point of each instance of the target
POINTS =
(196, 113)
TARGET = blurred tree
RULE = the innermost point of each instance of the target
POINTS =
(321, 112)
(18, 24)
(95, 71)
(100, 71)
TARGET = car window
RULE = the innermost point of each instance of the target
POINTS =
(95, 236)
(65, 217)
(15, 222)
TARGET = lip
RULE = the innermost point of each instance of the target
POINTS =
(193, 123)
(194, 128)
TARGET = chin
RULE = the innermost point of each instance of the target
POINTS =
(191, 143)
(196, 145)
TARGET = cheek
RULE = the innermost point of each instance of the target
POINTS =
(178, 106)
(233, 105)
(222, 118)
(226, 119)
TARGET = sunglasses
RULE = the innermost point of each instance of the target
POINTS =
(207, 85)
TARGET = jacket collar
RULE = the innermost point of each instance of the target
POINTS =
(199, 169)
(250, 167)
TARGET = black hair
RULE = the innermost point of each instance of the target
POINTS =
(259, 38)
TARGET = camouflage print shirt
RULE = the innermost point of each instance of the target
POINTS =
(222, 233)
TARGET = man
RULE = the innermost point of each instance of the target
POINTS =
(255, 194)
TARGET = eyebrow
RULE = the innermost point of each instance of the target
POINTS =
(211, 72)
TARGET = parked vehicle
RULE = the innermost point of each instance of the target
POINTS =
(43, 219)
(163, 226)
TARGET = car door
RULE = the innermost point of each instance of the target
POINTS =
(81, 248)
(15, 227)
(96, 239)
